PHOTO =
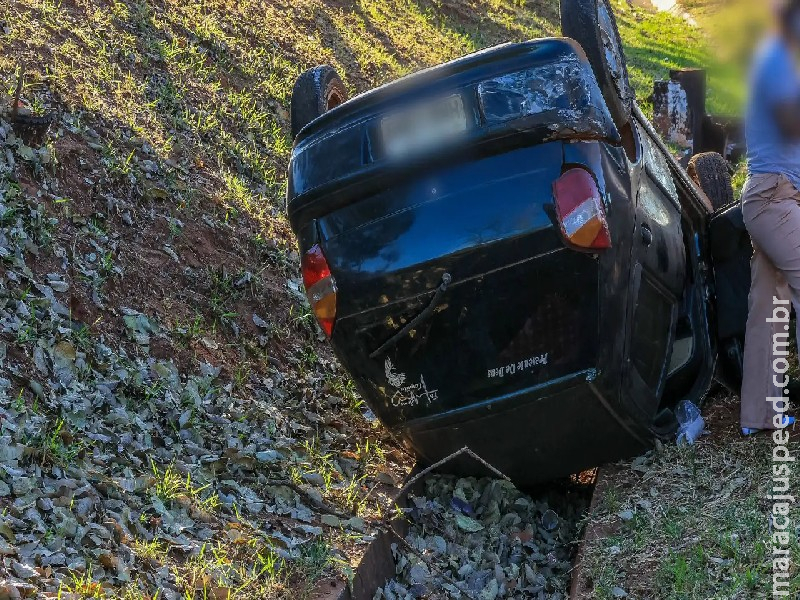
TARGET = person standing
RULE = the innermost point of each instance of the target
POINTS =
(771, 208)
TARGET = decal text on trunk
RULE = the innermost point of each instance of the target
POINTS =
(519, 366)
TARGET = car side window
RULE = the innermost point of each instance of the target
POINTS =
(657, 166)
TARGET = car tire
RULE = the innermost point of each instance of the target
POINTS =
(592, 24)
(32, 129)
(710, 172)
(315, 92)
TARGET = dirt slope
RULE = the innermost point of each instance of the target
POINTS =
(171, 424)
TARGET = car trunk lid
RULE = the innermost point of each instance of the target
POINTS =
(442, 299)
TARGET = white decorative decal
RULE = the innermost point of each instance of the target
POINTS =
(394, 379)
(408, 395)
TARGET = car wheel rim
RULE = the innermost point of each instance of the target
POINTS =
(333, 100)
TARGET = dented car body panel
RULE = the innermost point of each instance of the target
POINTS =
(463, 314)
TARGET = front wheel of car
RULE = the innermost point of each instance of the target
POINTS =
(710, 172)
(592, 24)
(315, 92)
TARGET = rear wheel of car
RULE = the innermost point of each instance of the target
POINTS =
(315, 92)
(710, 172)
(592, 24)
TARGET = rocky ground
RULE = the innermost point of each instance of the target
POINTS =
(136, 454)
(484, 539)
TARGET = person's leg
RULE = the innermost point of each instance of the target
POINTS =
(772, 216)
(757, 381)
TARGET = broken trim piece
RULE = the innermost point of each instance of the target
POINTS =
(437, 297)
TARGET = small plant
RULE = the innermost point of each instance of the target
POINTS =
(82, 337)
(171, 486)
(303, 317)
(10, 213)
(119, 167)
(58, 446)
(751, 579)
(314, 559)
(19, 403)
(318, 462)
(223, 294)
(241, 375)
(107, 264)
(236, 194)
(268, 562)
(309, 357)
(50, 8)
(152, 550)
(353, 497)
(169, 483)
(27, 333)
(191, 330)
(82, 586)
(345, 388)
(370, 453)
(154, 389)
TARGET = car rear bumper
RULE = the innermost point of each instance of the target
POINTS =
(534, 435)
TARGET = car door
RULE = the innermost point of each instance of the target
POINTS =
(658, 269)
(731, 251)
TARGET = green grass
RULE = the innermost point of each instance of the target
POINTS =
(170, 486)
(657, 42)
(82, 586)
(699, 528)
(208, 84)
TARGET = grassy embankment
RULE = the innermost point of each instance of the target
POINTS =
(160, 190)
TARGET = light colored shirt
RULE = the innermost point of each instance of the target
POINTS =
(774, 80)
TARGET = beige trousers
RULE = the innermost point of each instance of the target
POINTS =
(771, 207)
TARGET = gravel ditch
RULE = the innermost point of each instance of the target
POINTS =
(485, 539)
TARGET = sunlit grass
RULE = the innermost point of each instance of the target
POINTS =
(657, 42)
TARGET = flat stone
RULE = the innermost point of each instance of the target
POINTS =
(23, 485)
(23, 571)
(268, 456)
(313, 479)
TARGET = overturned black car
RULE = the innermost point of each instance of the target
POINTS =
(505, 256)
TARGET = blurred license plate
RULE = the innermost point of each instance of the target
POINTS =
(423, 127)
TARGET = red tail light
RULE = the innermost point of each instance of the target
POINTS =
(320, 287)
(580, 210)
